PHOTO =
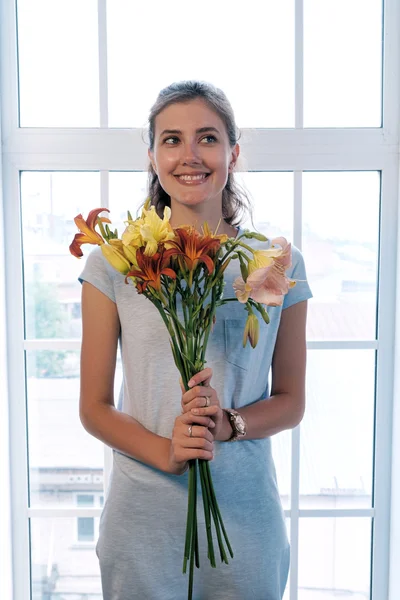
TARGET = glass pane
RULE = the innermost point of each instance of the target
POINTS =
(334, 558)
(337, 430)
(342, 63)
(128, 191)
(61, 568)
(58, 63)
(63, 458)
(258, 79)
(50, 201)
(85, 500)
(271, 194)
(340, 245)
(85, 529)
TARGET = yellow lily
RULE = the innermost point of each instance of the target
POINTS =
(154, 230)
(208, 233)
(115, 257)
(263, 258)
(132, 235)
(130, 253)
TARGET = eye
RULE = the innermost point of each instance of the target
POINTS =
(212, 137)
(167, 140)
(170, 138)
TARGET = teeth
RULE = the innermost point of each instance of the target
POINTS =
(192, 177)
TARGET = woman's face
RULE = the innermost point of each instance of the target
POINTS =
(180, 149)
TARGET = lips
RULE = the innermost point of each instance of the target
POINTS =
(191, 174)
(192, 180)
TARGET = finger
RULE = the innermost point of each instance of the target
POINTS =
(198, 432)
(185, 454)
(206, 411)
(197, 442)
(182, 386)
(197, 403)
(199, 390)
(190, 419)
(203, 376)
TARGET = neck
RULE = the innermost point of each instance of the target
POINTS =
(197, 215)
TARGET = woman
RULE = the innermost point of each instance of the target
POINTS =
(193, 151)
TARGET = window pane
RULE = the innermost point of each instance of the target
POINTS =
(85, 529)
(342, 63)
(50, 201)
(337, 430)
(271, 194)
(128, 191)
(63, 457)
(334, 558)
(58, 63)
(60, 568)
(85, 500)
(258, 78)
(340, 245)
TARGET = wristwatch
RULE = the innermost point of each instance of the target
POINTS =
(238, 424)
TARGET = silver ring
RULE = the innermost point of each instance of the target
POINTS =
(207, 401)
(190, 430)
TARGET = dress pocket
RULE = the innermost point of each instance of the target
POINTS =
(235, 354)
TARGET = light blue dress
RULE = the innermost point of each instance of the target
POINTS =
(142, 528)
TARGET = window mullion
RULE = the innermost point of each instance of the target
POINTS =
(384, 383)
(17, 387)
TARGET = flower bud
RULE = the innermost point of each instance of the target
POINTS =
(115, 258)
(251, 331)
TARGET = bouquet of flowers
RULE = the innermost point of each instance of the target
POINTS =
(181, 271)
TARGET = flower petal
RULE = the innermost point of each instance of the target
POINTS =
(242, 290)
(265, 296)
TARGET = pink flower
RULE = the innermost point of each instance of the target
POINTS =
(267, 284)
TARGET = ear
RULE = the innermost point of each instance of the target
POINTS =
(234, 157)
(151, 158)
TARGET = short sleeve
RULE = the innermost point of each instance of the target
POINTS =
(301, 291)
(99, 273)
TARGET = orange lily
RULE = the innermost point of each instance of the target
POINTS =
(194, 247)
(150, 269)
(88, 233)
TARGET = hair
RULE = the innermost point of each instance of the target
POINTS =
(235, 200)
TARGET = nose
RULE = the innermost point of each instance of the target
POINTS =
(190, 153)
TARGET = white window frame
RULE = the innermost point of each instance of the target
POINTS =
(294, 150)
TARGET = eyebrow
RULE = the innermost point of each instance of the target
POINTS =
(201, 130)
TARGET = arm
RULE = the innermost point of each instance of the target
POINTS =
(98, 414)
(284, 409)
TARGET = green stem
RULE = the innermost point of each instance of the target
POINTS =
(217, 509)
(213, 502)
(189, 519)
(207, 514)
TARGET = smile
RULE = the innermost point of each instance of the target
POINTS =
(192, 179)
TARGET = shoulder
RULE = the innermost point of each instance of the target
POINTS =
(96, 262)
(99, 272)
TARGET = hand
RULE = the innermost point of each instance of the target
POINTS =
(204, 399)
(191, 438)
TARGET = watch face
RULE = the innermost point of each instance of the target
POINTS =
(240, 426)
